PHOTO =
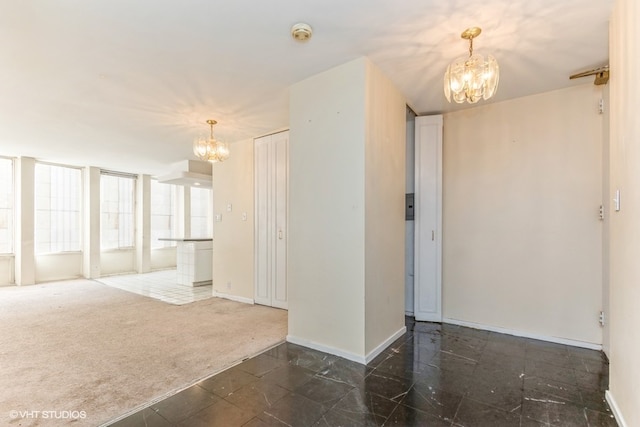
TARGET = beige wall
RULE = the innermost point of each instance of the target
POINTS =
(522, 246)
(624, 385)
(326, 209)
(233, 265)
(606, 223)
(384, 208)
(346, 222)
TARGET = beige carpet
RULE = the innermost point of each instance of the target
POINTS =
(83, 346)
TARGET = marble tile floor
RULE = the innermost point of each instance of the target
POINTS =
(434, 375)
(161, 285)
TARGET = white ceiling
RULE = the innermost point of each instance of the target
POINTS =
(127, 84)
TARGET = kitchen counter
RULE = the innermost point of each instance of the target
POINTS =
(193, 263)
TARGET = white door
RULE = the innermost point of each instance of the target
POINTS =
(428, 219)
(271, 180)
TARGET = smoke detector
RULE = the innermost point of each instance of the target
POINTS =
(301, 32)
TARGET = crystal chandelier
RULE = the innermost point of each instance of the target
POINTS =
(211, 149)
(473, 78)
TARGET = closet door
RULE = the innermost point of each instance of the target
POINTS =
(271, 181)
(428, 219)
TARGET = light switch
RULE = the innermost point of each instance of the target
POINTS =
(218, 217)
(244, 216)
(229, 207)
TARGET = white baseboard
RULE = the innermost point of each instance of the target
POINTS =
(363, 360)
(386, 343)
(615, 409)
(326, 349)
(233, 297)
(565, 341)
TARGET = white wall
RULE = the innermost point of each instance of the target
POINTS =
(58, 266)
(143, 224)
(624, 385)
(233, 253)
(163, 258)
(117, 261)
(91, 223)
(385, 177)
(6, 270)
(25, 217)
(522, 246)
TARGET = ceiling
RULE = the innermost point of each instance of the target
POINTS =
(127, 85)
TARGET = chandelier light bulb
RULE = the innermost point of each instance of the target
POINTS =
(210, 149)
(471, 78)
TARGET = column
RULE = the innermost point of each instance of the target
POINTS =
(25, 214)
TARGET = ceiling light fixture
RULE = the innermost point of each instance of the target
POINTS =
(471, 78)
(211, 149)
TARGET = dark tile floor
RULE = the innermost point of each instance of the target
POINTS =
(435, 375)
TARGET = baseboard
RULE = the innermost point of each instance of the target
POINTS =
(363, 360)
(557, 340)
(233, 297)
(615, 409)
(386, 343)
(326, 349)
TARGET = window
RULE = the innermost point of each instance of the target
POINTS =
(201, 212)
(6, 205)
(117, 218)
(164, 216)
(58, 192)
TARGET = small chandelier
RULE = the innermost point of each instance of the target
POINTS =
(211, 149)
(471, 79)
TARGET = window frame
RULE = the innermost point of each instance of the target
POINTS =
(80, 209)
(12, 226)
(174, 217)
(134, 201)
